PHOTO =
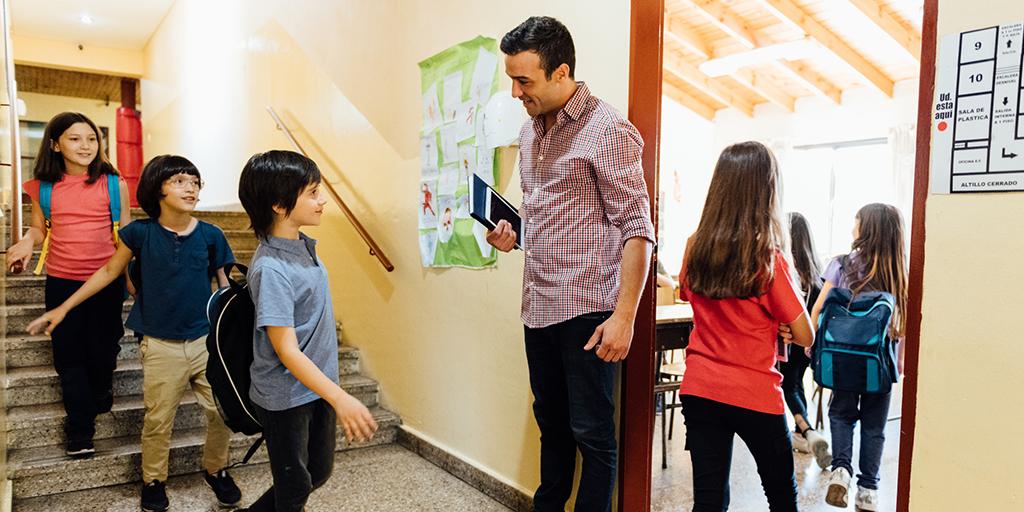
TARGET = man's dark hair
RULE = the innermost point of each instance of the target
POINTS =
(274, 178)
(154, 174)
(548, 38)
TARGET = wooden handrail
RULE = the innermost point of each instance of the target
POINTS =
(365, 235)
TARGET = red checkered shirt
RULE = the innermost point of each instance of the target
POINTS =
(583, 196)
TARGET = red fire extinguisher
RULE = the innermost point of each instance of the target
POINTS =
(129, 149)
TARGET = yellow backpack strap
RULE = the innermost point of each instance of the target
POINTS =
(46, 248)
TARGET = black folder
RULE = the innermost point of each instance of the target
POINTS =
(488, 207)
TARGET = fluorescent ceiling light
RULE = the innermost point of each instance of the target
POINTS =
(793, 50)
(85, 18)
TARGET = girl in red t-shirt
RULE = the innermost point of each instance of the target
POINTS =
(737, 279)
(86, 345)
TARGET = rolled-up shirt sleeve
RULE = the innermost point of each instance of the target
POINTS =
(620, 181)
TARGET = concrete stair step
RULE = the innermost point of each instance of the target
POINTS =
(27, 350)
(20, 315)
(41, 471)
(30, 290)
(37, 385)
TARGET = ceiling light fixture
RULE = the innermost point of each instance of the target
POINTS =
(793, 50)
(85, 18)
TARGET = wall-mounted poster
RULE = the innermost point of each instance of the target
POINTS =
(456, 84)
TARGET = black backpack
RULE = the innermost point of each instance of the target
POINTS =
(232, 316)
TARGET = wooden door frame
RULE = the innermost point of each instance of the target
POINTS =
(637, 392)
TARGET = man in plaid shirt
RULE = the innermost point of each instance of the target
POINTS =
(587, 238)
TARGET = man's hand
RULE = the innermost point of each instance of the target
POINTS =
(612, 339)
(503, 238)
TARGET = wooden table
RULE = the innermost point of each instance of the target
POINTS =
(673, 324)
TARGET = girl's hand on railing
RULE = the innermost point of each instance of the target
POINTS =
(18, 256)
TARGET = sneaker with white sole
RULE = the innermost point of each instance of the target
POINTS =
(800, 443)
(819, 447)
(867, 500)
(838, 488)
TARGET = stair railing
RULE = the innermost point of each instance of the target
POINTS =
(12, 108)
(375, 249)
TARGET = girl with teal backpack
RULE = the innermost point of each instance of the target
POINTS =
(861, 314)
(78, 204)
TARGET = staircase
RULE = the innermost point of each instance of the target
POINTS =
(37, 465)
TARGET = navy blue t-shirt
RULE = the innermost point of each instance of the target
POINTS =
(176, 277)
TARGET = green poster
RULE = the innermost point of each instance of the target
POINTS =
(456, 85)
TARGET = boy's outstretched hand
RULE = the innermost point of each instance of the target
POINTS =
(47, 321)
(355, 418)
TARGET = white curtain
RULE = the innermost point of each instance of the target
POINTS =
(903, 146)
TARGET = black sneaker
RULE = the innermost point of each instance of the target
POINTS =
(224, 487)
(154, 497)
(80, 449)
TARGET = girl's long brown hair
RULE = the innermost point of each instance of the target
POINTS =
(804, 260)
(879, 259)
(732, 254)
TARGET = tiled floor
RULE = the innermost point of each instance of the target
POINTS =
(672, 487)
(386, 478)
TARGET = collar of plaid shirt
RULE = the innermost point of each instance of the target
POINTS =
(583, 195)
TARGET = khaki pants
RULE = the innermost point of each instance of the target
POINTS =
(170, 368)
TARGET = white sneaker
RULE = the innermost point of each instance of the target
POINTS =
(800, 443)
(838, 488)
(867, 500)
(819, 446)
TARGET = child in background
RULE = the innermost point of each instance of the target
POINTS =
(80, 237)
(805, 439)
(178, 257)
(737, 279)
(876, 262)
(294, 372)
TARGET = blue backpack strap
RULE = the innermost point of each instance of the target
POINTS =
(45, 195)
(114, 189)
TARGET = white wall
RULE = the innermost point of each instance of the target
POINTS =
(691, 145)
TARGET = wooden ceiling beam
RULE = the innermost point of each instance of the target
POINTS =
(719, 16)
(762, 86)
(729, 23)
(811, 80)
(686, 37)
(686, 100)
(789, 12)
(906, 37)
(691, 75)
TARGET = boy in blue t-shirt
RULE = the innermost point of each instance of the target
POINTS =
(295, 346)
(177, 258)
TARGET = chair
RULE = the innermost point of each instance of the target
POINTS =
(670, 376)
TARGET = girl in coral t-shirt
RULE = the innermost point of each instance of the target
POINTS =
(86, 345)
(737, 279)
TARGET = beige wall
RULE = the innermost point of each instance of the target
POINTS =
(42, 107)
(446, 345)
(967, 448)
(93, 59)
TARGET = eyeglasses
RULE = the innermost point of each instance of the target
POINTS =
(179, 182)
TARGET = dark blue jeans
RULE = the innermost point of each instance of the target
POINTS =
(574, 405)
(300, 443)
(872, 410)
(710, 429)
(793, 381)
